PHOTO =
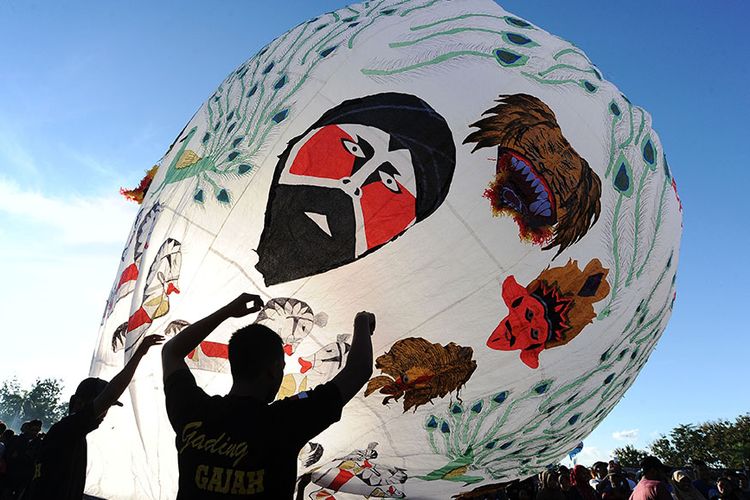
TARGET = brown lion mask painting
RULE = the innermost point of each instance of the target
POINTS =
(540, 180)
(420, 371)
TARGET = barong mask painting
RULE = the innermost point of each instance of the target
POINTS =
(506, 212)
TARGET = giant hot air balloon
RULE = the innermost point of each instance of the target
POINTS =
(475, 181)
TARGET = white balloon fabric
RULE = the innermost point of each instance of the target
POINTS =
(506, 212)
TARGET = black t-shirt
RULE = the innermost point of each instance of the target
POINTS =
(231, 446)
(60, 470)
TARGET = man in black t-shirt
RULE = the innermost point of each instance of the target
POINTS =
(244, 444)
(60, 470)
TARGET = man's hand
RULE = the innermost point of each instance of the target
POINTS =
(358, 367)
(147, 343)
(246, 303)
(366, 320)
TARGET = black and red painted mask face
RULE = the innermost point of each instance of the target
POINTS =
(525, 327)
(344, 190)
(365, 172)
(357, 160)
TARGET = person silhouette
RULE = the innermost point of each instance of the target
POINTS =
(245, 443)
(60, 470)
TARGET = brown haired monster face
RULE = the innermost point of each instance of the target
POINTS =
(540, 180)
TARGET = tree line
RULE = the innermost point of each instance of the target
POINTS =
(42, 400)
(721, 444)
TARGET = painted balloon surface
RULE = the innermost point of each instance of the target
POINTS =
(506, 212)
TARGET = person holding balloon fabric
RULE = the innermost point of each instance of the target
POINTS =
(245, 443)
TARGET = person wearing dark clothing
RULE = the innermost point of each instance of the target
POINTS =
(727, 489)
(743, 486)
(653, 485)
(21, 452)
(579, 479)
(244, 443)
(549, 486)
(702, 480)
(682, 487)
(570, 492)
(60, 471)
(615, 487)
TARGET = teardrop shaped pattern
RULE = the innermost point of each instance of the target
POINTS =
(519, 23)
(615, 109)
(588, 86)
(542, 387)
(327, 52)
(500, 397)
(223, 196)
(649, 153)
(623, 180)
(431, 423)
(279, 117)
(508, 58)
(518, 39)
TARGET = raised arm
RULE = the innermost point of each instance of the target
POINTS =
(174, 352)
(120, 382)
(358, 367)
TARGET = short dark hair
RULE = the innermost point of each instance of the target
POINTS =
(651, 463)
(252, 349)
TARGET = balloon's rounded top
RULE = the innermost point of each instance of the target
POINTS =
(506, 212)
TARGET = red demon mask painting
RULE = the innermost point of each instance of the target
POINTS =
(550, 311)
(359, 177)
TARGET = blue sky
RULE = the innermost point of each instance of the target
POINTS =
(92, 93)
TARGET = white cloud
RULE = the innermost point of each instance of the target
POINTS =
(61, 255)
(626, 435)
(76, 220)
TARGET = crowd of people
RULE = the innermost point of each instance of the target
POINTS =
(18, 453)
(229, 445)
(610, 481)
